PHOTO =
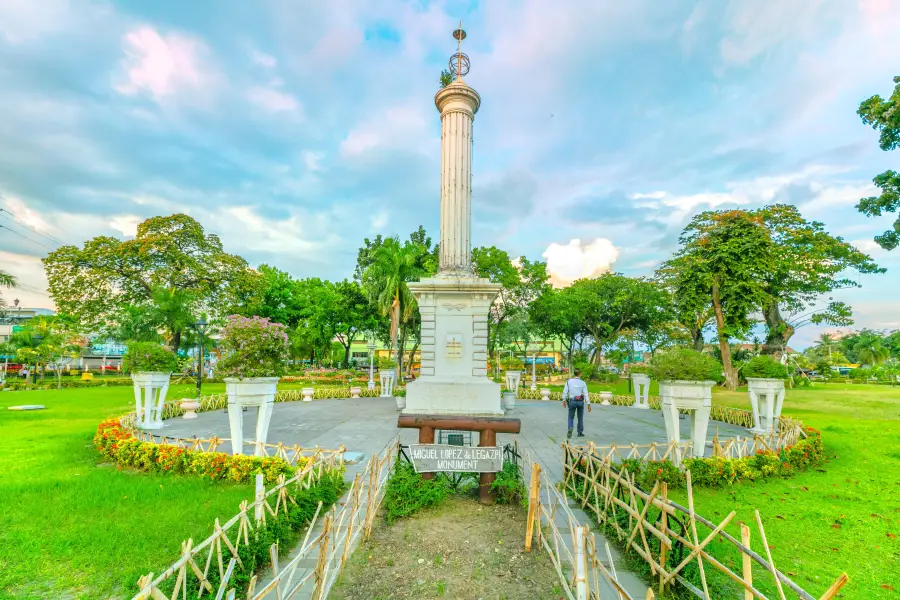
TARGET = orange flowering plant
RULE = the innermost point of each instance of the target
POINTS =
(120, 446)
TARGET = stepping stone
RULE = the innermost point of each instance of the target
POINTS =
(28, 407)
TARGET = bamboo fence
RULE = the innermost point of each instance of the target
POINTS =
(331, 547)
(583, 572)
(341, 531)
(676, 543)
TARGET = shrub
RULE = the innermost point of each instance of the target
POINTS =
(685, 364)
(253, 347)
(387, 363)
(148, 357)
(764, 366)
(508, 486)
(407, 492)
(512, 363)
(639, 368)
(119, 445)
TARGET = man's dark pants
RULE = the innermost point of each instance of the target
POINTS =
(576, 406)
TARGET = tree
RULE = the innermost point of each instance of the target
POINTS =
(390, 267)
(884, 116)
(278, 298)
(46, 341)
(825, 344)
(168, 253)
(612, 304)
(691, 301)
(7, 281)
(729, 254)
(353, 314)
(556, 314)
(807, 263)
(870, 348)
(522, 281)
(446, 78)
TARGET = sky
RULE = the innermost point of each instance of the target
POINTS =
(294, 129)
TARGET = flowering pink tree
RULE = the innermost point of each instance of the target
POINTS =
(253, 347)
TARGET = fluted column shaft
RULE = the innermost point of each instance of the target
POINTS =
(458, 104)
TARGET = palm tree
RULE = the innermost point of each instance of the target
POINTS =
(7, 281)
(870, 351)
(393, 265)
(825, 343)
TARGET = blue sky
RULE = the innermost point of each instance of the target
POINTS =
(294, 129)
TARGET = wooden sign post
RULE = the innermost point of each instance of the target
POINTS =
(488, 427)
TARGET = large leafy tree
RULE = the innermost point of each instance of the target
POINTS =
(871, 350)
(353, 313)
(691, 301)
(46, 341)
(558, 314)
(729, 253)
(613, 304)
(807, 263)
(171, 253)
(883, 115)
(522, 282)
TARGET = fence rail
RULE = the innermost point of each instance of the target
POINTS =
(578, 560)
(667, 536)
(222, 547)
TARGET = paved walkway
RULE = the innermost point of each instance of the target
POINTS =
(366, 425)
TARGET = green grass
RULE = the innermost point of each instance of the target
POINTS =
(842, 517)
(71, 528)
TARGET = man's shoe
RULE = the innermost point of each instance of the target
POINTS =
(569, 434)
(580, 435)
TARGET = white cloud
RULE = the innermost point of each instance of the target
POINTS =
(263, 59)
(163, 65)
(399, 127)
(31, 218)
(126, 224)
(29, 271)
(651, 195)
(24, 20)
(379, 220)
(273, 100)
(573, 261)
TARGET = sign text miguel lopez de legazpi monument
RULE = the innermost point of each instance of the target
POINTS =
(454, 304)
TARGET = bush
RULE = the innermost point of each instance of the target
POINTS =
(686, 365)
(407, 492)
(387, 363)
(119, 445)
(511, 363)
(148, 357)
(253, 347)
(508, 486)
(639, 368)
(766, 367)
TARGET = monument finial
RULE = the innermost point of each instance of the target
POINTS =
(459, 62)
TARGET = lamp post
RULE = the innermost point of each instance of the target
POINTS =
(371, 347)
(200, 327)
(533, 371)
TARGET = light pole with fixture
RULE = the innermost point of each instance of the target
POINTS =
(371, 347)
(533, 363)
(200, 327)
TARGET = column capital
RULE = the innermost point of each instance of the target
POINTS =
(457, 97)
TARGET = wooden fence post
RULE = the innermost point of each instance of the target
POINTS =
(748, 564)
(260, 498)
(580, 558)
(533, 504)
(663, 548)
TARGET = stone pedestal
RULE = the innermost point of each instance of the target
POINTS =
(693, 396)
(252, 391)
(453, 374)
(150, 390)
(766, 400)
(641, 383)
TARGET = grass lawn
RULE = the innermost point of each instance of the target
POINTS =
(72, 529)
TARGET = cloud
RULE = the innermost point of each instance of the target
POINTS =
(273, 100)
(29, 271)
(264, 60)
(163, 65)
(126, 224)
(398, 126)
(573, 261)
(23, 21)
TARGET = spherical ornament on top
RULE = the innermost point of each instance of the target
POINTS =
(459, 65)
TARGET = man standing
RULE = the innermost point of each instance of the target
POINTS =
(576, 395)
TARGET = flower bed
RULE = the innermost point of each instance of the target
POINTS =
(119, 444)
(718, 471)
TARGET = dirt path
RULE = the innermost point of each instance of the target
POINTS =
(460, 550)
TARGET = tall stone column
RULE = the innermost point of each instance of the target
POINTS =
(457, 104)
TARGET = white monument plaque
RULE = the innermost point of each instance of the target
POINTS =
(432, 458)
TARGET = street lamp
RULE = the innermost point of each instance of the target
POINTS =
(200, 327)
(371, 347)
(533, 363)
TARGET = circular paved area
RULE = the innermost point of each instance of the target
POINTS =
(367, 424)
